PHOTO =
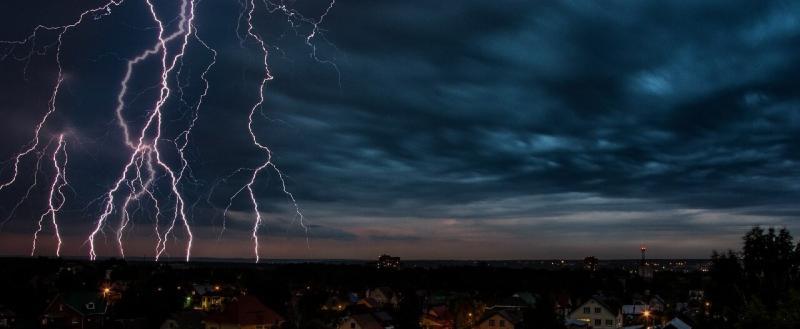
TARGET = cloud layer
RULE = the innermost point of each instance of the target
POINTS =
(479, 129)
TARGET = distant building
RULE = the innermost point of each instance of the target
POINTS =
(645, 269)
(75, 310)
(590, 263)
(244, 312)
(504, 319)
(597, 312)
(387, 262)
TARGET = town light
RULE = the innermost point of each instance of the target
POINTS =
(646, 314)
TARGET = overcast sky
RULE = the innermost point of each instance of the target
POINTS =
(432, 129)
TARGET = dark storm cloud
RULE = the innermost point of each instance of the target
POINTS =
(449, 123)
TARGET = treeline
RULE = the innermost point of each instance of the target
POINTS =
(757, 287)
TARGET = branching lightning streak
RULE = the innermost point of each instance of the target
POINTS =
(146, 165)
(34, 144)
(56, 198)
(154, 121)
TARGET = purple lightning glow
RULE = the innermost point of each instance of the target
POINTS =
(146, 163)
(56, 198)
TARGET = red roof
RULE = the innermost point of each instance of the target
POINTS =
(246, 310)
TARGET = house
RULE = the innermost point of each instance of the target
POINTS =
(514, 302)
(598, 312)
(244, 312)
(526, 297)
(503, 319)
(679, 323)
(657, 304)
(384, 296)
(377, 320)
(634, 310)
(438, 317)
(185, 320)
(213, 297)
(336, 303)
(75, 310)
(368, 303)
(563, 305)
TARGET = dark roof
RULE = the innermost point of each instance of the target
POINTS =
(510, 316)
(246, 310)
(366, 321)
(85, 302)
(609, 303)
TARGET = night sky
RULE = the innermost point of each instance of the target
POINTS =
(428, 129)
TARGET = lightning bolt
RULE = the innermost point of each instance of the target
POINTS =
(63, 29)
(147, 167)
(56, 198)
(149, 148)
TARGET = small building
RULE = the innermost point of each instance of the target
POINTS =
(384, 296)
(634, 310)
(503, 319)
(377, 320)
(563, 305)
(244, 312)
(336, 304)
(679, 323)
(437, 317)
(368, 303)
(657, 304)
(598, 312)
(75, 310)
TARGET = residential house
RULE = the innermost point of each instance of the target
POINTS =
(437, 317)
(563, 305)
(212, 297)
(657, 304)
(385, 296)
(75, 310)
(598, 312)
(336, 303)
(244, 312)
(368, 303)
(377, 320)
(503, 319)
(635, 310)
(679, 323)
